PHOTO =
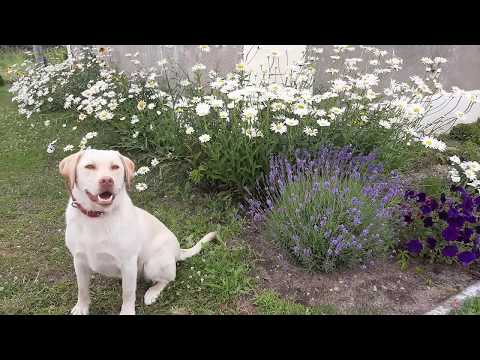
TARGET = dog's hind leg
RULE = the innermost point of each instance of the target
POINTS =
(161, 271)
(151, 295)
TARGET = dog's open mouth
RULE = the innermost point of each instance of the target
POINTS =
(104, 198)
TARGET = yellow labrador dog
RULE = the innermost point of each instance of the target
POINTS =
(107, 234)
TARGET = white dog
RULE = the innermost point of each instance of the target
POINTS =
(107, 234)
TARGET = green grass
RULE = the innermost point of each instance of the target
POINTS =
(270, 303)
(36, 271)
(8, 57)
(469, 307)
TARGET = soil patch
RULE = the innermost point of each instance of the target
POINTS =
(378, 288)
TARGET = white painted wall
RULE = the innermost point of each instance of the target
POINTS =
(462, 69)
(258, 58)
(445, 106)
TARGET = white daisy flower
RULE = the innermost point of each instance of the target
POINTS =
(323, 122)
(291, 122)
(141, 105)
(141, 186)
(154, 162)
(204, 138)
(310, 132)
(202, 109)
(278, 127)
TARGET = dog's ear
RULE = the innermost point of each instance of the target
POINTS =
(129, 166)
(68, 167)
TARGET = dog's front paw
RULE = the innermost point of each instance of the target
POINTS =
(127, 310)
(80, 309)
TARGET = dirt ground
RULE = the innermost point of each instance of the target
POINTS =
(378, 288)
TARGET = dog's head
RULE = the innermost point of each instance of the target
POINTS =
(99, 174)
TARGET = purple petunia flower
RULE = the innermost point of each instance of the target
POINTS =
(410, 194)
(450, 233)
(456, 221)
(433, 204)
(408, 219)
(467, 204)
(428, 222)
(414, 246)
(431, 242)
(443, 198)
(466, 257)
(452, 213)
(426, 209)
(467, 234)
(443, 215)
(421, 197)
(450, 250)
(471, 219)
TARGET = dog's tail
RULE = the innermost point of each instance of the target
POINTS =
(186, 253)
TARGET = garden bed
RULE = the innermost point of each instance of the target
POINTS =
(379, 288)
(354, 173)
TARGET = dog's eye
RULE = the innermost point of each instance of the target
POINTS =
(90, 166)
(115, 167)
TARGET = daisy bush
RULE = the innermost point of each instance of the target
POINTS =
(40, 88)
(328, 209)
(225, 127)
(465, 173)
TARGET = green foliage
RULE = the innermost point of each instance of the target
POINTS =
(55, 55)
(434, 186)
(464, 140)
(403, 259)
(466, 132)
(468, 150)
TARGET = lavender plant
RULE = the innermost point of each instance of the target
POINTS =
(328, 209)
